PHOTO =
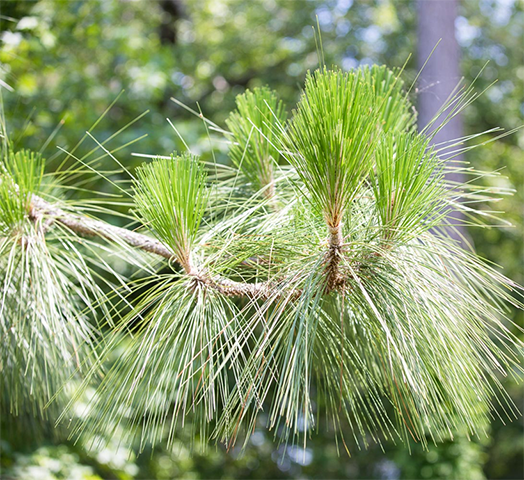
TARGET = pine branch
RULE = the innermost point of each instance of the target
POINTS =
(333, 256)
(40, 208)
(384, 315)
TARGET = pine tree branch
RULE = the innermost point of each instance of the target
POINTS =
(333, 256)
(87, 226)
(40, 209)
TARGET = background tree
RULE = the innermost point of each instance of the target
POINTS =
(438, 59)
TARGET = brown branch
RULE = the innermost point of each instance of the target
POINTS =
(335, 279)
(40, 208)
(230, 288)
(87, 226)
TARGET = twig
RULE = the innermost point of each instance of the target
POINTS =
(333, 256)
(87, 226)
(40, 208)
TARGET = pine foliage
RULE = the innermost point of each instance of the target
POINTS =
(171, 199)
(49, 298)
(341, 292)
(254, 135)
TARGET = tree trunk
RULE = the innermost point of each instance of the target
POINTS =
(436, 21)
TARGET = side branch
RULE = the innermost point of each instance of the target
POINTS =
(230, 288)
(333, 257)
(40, 208)
(87, 226)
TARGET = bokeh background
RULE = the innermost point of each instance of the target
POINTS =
(63, 62)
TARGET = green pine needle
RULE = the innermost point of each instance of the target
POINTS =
(171, 198)
(254, 128)
(408, 185)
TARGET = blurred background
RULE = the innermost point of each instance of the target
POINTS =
(63, 62)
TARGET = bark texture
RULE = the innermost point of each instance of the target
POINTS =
(42, 209)
(436, 21)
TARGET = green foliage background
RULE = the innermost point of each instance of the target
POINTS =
(68, 60)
